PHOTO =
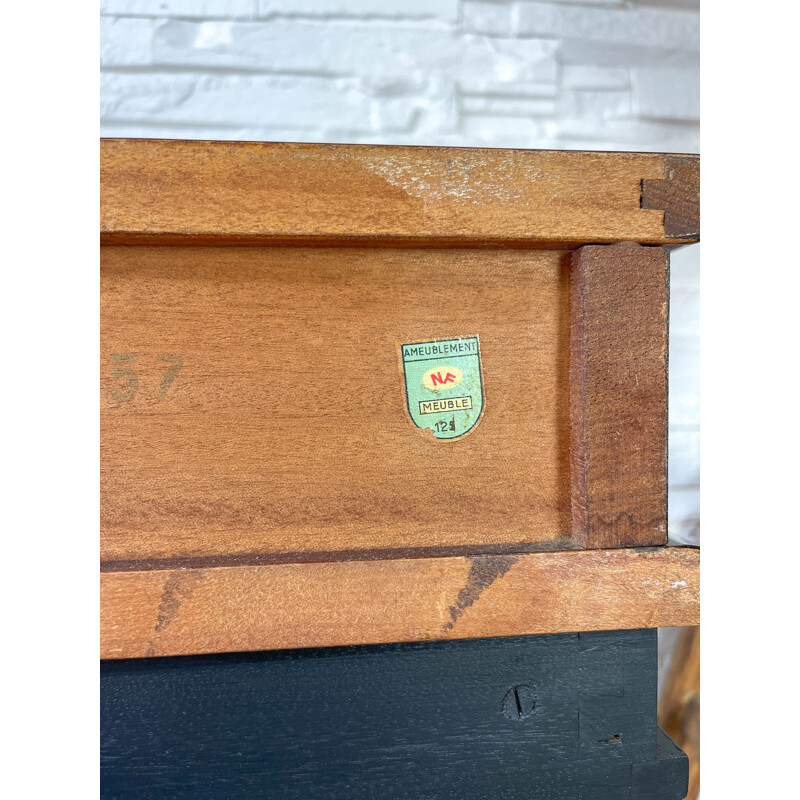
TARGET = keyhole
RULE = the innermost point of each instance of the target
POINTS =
(519, 702)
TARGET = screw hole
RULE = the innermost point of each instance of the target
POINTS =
(519, 702)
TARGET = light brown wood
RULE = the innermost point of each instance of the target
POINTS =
(285, 433)
(174, 612)
(679, 708)
(170, 192)
(618, 395)
(263, 485)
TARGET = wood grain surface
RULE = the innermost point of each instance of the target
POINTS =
(277, 606)
(172, 192)
(262, 483)
(253, 403)
(678, 193)
(618, 395)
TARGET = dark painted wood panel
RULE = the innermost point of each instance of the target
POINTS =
(564, 716)
(667, 776)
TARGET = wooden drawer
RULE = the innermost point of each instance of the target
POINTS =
(345, 390)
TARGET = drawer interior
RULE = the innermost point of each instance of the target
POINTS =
(253, 402)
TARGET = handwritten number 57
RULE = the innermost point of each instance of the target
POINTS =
(127, 381)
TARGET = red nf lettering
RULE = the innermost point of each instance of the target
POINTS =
(436, 377)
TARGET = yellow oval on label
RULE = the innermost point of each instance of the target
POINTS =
(440, 378)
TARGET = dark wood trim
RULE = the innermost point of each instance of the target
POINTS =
(678, 195)
(618, 395)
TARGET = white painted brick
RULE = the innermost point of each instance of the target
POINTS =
(431, 110)
(393, 116)
(645, 135)
(265, 102)
(603, 104)
(684, 380)
(496, 131)
(414, 137)
(627, 134)
(152, 130)
(313, 47)
(236, 101)
(684, 458)
(576, 76)
(127, 42)
(646, 27)
(689, 4)
(508, 106)
(668, 93)
(684, 516)
(200, 9)
(518, 89)
(602, 54)
(278, 134)
(604, 3)
(133, 97)
(494, 19)
(437, 114)
(601, 145)
(441, 10)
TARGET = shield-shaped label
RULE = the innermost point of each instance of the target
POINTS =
(444, 387)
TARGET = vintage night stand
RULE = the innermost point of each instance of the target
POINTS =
(384, 436)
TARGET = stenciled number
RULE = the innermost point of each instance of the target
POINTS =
(124, 394)
(176, 361)
(120, 371)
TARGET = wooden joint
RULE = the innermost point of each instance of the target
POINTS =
(677, 194)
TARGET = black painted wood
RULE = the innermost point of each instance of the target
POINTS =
(670, 772)
(566, 716)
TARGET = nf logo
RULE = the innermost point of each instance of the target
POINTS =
(442, 377)
(444, 386)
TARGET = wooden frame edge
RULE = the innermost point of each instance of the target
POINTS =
(618, 395)
(271, 193)
(279, 606)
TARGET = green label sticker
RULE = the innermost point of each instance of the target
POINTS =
(444, 387)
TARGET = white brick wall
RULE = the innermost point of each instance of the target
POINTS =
(598, 74)
(569, 74)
